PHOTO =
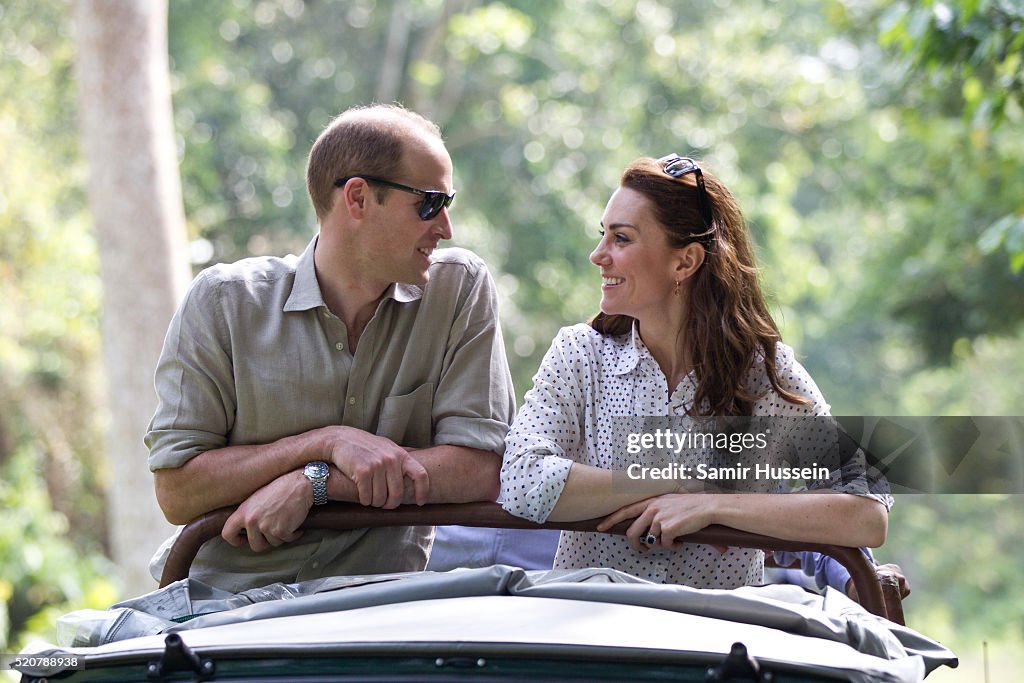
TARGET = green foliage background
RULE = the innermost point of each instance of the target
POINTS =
(875, 147)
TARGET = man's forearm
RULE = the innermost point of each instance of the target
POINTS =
(459, 474)
(229, 475)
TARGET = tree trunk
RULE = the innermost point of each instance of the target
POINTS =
(121, 68)
(392, 69)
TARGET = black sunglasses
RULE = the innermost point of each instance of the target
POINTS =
(433, 200)
(677, 166)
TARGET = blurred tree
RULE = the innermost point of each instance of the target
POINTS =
(52, 524)
(968, 51)
(977, 574)
(883, 204)
(134, 191)
(897, 195)
(965, 59)
(812, 132)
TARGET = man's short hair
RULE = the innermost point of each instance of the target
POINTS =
(363, 140)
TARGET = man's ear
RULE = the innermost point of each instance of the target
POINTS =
(355, 194)
(689, 261)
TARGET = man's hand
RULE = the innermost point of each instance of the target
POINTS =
(272, 515)
(378, 467)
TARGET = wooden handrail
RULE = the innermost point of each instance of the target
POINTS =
(342, 516)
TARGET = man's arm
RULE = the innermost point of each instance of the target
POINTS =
(227, 476)
(375, 467)
(273, 514)
(459, 474)
(474, 401)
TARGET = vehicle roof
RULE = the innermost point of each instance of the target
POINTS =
(507, 610)
(510, 625)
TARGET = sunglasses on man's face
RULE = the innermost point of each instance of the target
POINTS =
(433, 200)
(677, 166)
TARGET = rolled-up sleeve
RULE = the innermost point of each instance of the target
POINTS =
(547, 429)
(194, 382)
(474, 402)
(817, 439)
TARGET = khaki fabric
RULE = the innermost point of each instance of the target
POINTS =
(253, 355)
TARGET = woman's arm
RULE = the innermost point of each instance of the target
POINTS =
(594, 492)
(542, 476)
(822, 517)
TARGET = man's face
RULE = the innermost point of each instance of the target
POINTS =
(398, 241)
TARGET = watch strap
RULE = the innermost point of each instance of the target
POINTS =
(319, 490)
(317, 473)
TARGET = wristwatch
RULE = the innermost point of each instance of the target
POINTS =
(317, 473)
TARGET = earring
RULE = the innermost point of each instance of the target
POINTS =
(678, 288)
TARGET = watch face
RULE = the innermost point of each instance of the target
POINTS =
(315, 470)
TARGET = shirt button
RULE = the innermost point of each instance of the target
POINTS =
(340, 346)
(316, 565)
(352, 400)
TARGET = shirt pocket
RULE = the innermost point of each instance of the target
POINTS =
(407, 420)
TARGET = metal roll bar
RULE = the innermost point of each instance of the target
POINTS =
(878, 595)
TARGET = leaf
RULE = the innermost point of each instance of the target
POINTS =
(1006, 233)
(994, 235)
(893, 25)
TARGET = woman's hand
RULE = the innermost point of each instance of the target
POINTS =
(665, 517)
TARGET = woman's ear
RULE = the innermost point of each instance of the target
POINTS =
(689, 262)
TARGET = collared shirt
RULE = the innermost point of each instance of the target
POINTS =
(590, 388)
(254, 354)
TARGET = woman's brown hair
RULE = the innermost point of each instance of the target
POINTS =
(728, 322)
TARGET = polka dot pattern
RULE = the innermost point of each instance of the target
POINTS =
(589, 391)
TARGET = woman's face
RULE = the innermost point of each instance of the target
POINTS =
(638, 268)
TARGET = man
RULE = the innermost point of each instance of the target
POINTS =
(279, 372)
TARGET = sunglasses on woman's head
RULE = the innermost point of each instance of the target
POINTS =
(433, 200)
(677, 166)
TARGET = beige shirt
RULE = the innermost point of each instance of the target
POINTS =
(253, 355)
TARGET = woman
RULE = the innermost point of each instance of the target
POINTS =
(683, 331)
